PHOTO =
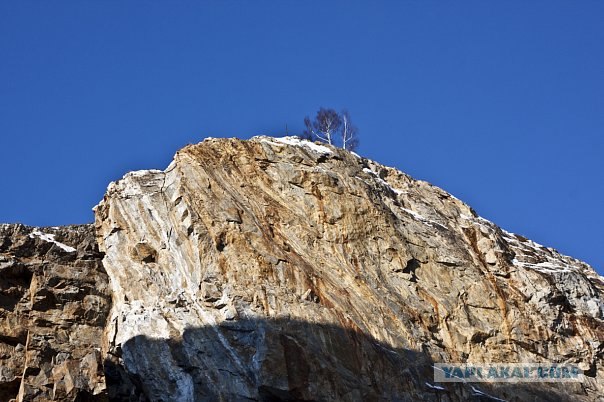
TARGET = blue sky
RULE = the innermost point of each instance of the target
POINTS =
(499, 103)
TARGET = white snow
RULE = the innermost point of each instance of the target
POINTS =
(51, 239)
(132, 182)
(475, 390)
(423, 219)
(529, 243)
(141, 173)
(554, 262)
(436, 387)
(479, 221)
(416, 215)
(382, 181)
(480, 218)
(295, 141)
(510, 237)
(480, 393)
(525, 246)
(546, 266)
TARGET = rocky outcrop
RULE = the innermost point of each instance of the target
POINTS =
(279, 269)
(276, 269)
(54, 301)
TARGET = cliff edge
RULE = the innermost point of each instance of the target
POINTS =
(277, 269)
(280, 268)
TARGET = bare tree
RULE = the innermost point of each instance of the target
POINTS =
(333, 128)
(350, 139)
(326, 125)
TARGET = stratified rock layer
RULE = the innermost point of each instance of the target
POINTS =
(54, 301)
(275, 269)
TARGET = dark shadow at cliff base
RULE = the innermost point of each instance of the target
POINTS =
(289, 360)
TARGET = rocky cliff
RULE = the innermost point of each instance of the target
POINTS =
(279, 269)
(54, 301)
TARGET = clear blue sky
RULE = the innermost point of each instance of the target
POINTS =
(499, 103)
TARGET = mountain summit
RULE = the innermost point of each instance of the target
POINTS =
(281, 269)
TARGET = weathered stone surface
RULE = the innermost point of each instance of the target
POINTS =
(278, 270)
(274, 269)
(54, 300)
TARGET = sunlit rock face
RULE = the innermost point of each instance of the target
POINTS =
(277, 269)
(54, 300)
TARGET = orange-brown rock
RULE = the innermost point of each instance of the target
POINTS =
(280, 269)
(277, 269)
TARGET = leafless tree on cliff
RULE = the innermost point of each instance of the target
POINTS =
(333, 128)
(350, 139)
(326, 125)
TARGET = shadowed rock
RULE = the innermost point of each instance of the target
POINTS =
(291, 360)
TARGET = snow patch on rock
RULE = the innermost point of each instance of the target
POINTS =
(51, 239)
(295, 141)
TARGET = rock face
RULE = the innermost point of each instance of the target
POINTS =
(278, 269)
(275, 269)
(54, 301)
